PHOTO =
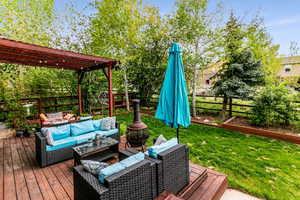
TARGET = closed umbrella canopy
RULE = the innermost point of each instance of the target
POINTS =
(173, 107)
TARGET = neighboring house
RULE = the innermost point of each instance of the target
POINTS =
(204, 81)
(290, 69)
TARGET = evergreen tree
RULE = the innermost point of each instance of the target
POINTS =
(241, 72)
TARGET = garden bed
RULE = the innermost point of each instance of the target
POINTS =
(243, 125)
(208, 119)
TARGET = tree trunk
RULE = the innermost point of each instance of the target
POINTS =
(194, 85)
(126, 89)
(225, 102)
(194, 112)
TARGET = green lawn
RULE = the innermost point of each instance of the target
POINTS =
(263, 167)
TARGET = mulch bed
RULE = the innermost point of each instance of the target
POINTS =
(208, 119)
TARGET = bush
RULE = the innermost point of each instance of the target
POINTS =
(274, 105)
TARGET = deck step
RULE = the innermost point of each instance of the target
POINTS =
(187, 192)
(166, 195)
(212, 188)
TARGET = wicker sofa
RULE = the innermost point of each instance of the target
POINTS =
(172, 168)
(133, 183)
(46, 157)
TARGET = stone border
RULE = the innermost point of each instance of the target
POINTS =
(260, 132)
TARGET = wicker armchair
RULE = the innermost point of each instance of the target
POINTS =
(132, 183)
(172, 168)
(45, 158)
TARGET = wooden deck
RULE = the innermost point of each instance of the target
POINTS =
(21, 177)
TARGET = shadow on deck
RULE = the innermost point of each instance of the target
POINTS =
(22, 178)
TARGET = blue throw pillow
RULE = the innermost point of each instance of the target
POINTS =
(155, 150)
(82, 128)
(97, 124)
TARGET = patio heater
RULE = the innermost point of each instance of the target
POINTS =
(137, 133)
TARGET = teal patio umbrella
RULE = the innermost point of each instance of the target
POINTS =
(173, 107)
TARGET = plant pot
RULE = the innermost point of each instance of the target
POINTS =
(19, 133)
(27, 133)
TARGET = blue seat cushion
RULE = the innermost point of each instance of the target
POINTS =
(134, 159)
(56, 133)
(107, 133)
(119, 166)
(63, 143)
(155, 150)
(97, 124)
(84, 137)
(82, 128)
(110, 170)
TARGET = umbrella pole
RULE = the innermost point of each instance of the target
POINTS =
(177, 131)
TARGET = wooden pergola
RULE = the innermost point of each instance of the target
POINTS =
(15, 52)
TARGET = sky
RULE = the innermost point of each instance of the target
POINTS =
(282, 17)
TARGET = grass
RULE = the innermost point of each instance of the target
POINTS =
(264, 167)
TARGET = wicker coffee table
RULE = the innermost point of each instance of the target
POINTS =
(108, 148)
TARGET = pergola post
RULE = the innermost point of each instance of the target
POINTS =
(80, 77)
(110, 95)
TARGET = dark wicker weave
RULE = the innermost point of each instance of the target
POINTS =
(45, 158)
(133, 183)
(172, 169)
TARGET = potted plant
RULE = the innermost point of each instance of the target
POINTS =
(21, 128)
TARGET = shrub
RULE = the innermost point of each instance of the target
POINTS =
(274, 105)
(98, 117)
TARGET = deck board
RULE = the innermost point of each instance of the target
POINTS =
(9, 180)
(22, 178)
(18, 164)
(1, 169)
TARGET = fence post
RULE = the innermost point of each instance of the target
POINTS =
(39, 105)
(230, 107)
(55, 102)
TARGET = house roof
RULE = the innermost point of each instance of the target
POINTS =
(291, 60)
(15, 52)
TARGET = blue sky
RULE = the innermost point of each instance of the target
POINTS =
(282, 17)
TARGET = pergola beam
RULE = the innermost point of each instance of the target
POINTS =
(14, 52)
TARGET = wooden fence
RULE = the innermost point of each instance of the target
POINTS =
(43, 104)
(204, 104)
(214, 104)
(64, 103)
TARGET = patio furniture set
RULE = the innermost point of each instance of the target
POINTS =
(136, 175)
(55, 143)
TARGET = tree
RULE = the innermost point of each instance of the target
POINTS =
(148, 66)
(294, 49)
(241, 72)
(194, 27)
(260, 43)
(27, 21)
(116, 29)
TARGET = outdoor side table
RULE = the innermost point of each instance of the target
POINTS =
(108, 148)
